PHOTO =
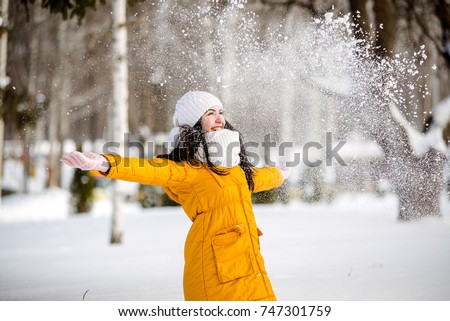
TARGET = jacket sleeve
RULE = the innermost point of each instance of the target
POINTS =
(267, 178)
(156, 171)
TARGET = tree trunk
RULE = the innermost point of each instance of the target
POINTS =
(3, 79)
(120, 105)
(385, 24)
(442, 11)
(362, 19)
(29, 129)
(57, 107)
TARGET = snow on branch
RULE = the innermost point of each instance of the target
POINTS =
(441, 114)
(419, 142)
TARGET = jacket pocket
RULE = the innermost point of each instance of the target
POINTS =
(232, 253)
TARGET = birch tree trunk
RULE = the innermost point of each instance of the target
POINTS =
(29, 129)
(120, 105)
(3, 79)
(57, 107)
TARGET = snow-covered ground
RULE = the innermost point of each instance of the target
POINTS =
(350, 249)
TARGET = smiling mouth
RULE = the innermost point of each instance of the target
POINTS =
(216, 128)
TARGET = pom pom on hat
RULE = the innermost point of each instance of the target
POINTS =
(191, 107)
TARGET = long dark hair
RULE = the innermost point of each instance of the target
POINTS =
(189, 141)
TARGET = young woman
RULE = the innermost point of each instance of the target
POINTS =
(206, 171)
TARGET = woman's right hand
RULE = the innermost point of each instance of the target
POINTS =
(86, 161)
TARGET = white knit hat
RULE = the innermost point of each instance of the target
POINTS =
(191, 107)
(188, 110)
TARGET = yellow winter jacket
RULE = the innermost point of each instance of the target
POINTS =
(222, 255)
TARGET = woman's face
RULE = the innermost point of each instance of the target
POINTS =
(213, 119)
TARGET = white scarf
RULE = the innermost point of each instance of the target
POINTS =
(223, 148)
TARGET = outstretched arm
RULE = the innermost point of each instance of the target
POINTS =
(155, 171)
